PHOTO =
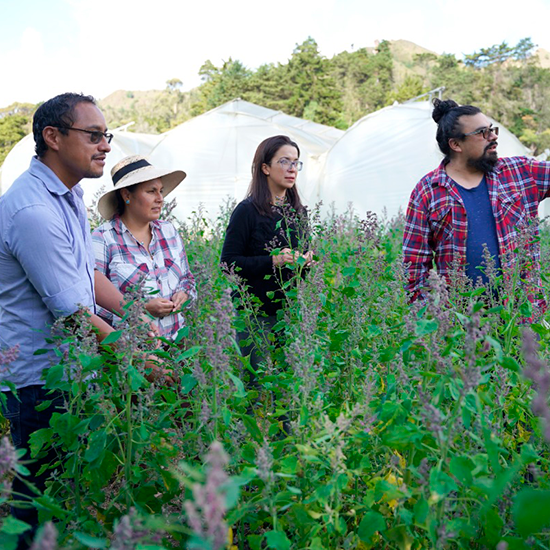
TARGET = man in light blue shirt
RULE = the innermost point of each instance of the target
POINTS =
(46, 260)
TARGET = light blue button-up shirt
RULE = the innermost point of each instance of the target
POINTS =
(46, 266)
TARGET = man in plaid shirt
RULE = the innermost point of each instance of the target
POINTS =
(472, 201)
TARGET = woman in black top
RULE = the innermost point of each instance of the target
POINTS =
(266, 229)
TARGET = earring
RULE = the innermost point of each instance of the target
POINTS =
(127, 201)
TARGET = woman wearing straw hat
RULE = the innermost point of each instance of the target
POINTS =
(134, 244)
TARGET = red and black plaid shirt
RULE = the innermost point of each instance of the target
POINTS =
(436, 227)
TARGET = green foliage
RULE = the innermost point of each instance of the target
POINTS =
(499, 53)
(370, 424)
(506, 82)
(15, 124)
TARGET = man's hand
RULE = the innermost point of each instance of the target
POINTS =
(159, 307)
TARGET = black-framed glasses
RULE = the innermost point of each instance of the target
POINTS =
(289, 164)
(95, 135)
(485, 132)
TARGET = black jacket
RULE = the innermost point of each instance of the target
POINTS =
(248, 240)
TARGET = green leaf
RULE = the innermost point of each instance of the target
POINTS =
(54, 375)
(240, 391)
(255, 541)
(96, 446)
(510, 363)
(188, 353)
(252, 427)
(461, 467)
(426, 326)
(89, 541)
(526, 309)
(441, 485)
(12, 526)
(112, 337)
(38, 439)
(421, 511)
(277, 540)
(188, 382)
(371, 523)
(531, 511)
(43, 406)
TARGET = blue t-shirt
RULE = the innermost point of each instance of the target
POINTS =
(481, 230)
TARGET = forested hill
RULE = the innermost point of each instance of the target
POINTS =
(510, 83)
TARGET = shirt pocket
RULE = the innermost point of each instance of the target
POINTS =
(125, 275)
(441, 223)
(510, 210)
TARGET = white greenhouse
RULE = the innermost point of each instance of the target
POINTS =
(373, 166)
(379, 160)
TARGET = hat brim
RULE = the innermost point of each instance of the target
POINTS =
(106, 205)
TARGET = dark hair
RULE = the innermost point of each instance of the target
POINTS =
(447, 114)
(57, 112)
(120, 204)
(258, 191)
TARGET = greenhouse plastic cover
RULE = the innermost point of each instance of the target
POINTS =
(215, 149)
(124, 143)
(380, 159)
(374, 165)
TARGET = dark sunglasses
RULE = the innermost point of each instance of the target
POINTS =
(485, 132)
(95, 135)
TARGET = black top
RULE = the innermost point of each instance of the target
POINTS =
(248, 240)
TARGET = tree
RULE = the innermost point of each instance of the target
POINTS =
(13, 128)
(499, 53)
(313, 91)
(221, 84)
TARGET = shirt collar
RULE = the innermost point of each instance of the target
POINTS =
(120, 228)
(440, 176)
(52, 183)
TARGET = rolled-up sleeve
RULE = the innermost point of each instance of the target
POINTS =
(43, 246)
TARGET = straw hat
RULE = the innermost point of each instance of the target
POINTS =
(132, 170)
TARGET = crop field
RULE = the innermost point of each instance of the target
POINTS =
(370, 424)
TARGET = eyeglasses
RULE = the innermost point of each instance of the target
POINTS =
(289, 164)
(95, 135)
(485, 132)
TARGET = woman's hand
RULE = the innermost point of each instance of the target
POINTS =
(160, 307)
(285, 256)
(179, 298)
(158, 375)
(308, 257)
(288, 256)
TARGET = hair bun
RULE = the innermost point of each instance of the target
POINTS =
(441, 108)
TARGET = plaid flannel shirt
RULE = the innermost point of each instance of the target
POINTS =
(126, 262)
(436, 226)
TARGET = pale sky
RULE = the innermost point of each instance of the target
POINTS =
(100, 46)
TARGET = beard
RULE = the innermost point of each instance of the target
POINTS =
(486, 162)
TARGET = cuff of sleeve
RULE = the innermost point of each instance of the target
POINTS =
(68, 301)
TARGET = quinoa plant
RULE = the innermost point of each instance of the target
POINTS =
(370, 422)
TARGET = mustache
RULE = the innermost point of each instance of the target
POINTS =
(495, 143)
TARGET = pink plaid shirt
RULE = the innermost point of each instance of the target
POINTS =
(436, 227)
(126, 262)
